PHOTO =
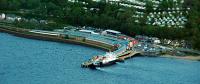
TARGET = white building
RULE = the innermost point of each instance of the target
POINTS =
(110, 32)
(2, 16)
(88, 31)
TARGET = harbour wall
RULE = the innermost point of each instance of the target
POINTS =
(26, 34)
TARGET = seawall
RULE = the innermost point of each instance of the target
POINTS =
(26, 34)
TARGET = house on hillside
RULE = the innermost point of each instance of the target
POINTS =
(2, 16)
(12, 18)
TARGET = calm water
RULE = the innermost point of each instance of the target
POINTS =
(27, 61)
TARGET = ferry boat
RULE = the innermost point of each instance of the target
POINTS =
(106, 60)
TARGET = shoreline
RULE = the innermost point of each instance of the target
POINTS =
(20, 32)
(189, 57)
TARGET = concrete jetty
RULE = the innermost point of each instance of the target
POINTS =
(128, 54)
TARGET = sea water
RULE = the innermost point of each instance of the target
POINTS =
(29, 61)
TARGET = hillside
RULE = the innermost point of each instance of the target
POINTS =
(172, 19)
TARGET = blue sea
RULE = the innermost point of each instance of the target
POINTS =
(28, 61)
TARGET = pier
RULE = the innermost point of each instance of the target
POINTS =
(128, 54)
(27, 33)
(118, 49)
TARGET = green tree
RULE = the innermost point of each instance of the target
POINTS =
(3, 4)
